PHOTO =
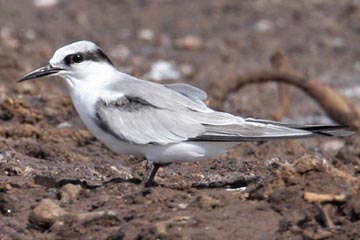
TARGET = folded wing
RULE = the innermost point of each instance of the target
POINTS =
(163, 114)
(134, 120)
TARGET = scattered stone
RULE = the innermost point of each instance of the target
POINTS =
(183, 205)
(66, 124)
(45, 3)
(163, 70)
(333, 145)
(69, 193)
(187, 70)
(189, 42)
(146, 35)
(263, 26)
(46, 213)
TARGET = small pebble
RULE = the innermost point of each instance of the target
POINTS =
(333, 145)
(187, 70)
(183, 205)
(45, 3)
(146, 35)
(66, 124)
(263, 25)
(69, 192)
(46, 213)
(163, 70)
(189, 42)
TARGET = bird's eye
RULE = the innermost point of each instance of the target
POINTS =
(74, 58)
(78, 58)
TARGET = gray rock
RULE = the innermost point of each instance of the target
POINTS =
(69, 192)
(46, 213)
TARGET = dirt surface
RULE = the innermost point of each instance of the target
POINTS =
(58, 182)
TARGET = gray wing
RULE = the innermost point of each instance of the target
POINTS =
(135, 120)
(172, 96)
(188, 90)
(154, 113)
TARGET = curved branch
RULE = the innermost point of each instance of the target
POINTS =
(336, 105)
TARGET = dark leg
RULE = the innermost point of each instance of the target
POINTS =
(150, 179)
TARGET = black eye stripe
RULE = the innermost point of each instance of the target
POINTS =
(73, 58)
(96, 56)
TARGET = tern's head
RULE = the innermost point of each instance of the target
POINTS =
(75, 61)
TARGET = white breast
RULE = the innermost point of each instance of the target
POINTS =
(84, 99)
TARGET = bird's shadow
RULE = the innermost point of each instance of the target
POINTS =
(50, 182)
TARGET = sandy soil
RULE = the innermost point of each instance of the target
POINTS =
(58, 182)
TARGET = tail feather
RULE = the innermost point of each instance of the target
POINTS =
(326, 130)
(263, 130)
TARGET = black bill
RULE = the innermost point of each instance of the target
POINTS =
(40, 72)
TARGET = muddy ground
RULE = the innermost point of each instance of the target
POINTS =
(58, 182)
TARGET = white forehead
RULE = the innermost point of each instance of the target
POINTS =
(80, 46)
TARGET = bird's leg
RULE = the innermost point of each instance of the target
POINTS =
(155, 167)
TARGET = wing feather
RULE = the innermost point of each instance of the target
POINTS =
(162, 114)
(145, 123)
(188, 90)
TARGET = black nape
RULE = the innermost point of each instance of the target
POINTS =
(102, 56)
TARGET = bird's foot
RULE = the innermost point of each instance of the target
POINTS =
(149, 180)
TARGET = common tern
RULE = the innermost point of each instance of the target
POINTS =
(164, 123)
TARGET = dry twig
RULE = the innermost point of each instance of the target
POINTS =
(318, 197)
(337, 106)
(279, 62)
